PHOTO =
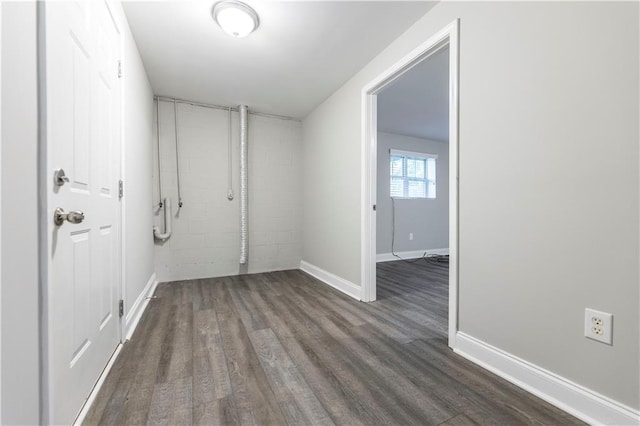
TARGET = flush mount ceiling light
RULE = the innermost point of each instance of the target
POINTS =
(235, 18)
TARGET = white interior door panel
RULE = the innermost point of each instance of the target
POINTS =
(83, 139)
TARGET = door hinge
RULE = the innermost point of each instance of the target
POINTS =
(119, 69)
(120, 189)
(374, 207)
(121, 308)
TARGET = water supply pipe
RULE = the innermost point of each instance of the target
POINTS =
(167, 222)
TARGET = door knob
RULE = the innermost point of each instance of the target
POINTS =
(74, 216)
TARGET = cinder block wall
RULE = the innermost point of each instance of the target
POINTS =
(206, 230)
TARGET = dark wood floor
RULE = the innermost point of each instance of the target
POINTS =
(282, 348)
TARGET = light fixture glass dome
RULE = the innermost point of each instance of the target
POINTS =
(235, 18)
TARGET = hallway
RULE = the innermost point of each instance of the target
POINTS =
(283, 348)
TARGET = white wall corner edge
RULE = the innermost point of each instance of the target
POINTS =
(571, 397)
(137, 309)
(414, 254)
(339, 283)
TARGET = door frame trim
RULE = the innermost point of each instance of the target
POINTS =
(43, 224)
(448, 36)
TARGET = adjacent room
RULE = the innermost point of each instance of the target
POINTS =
(319, 212)
(412, 205)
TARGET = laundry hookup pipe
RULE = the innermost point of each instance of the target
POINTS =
(167, 222)
(243, 184)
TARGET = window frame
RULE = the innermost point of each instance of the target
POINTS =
(413, 154)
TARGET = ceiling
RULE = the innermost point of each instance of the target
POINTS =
(302, 52)
(417, 104)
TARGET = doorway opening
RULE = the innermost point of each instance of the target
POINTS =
(410, 179)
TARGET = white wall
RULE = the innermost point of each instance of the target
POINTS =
(20, 320)
(206, 239)
(0, 213)
(548, 181)
(331, 200)
(427, 219)
(138, 250)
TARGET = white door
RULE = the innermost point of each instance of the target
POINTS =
(83, 139)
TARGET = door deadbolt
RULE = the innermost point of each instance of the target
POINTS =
(59, 178)
(73, 216)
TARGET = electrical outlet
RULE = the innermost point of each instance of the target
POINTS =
(410, 236)
(598, 326)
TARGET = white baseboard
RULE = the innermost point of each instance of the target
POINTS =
(573, 398)
(347, 287)
(415, 254)
(137, 309)
(96, 388)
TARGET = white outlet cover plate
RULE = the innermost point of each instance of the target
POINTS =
(607, 326)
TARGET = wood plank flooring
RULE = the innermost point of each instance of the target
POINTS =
(282, 348)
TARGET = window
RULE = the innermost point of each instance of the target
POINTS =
(413, 174)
